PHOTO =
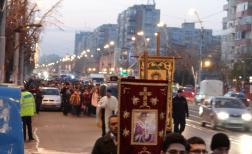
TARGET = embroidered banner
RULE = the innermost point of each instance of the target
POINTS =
(158, 68)
(143, 115)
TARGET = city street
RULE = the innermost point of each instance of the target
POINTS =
(58, 134)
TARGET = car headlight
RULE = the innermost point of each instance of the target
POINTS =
(247, 117)
(222, 115)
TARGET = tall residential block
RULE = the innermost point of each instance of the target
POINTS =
(237, 35)
(81, 39)
(131, 21)
(190, 37)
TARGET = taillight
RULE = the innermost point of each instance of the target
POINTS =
(193, 93)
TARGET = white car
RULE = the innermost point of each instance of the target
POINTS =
(51, 98)
(228, 112)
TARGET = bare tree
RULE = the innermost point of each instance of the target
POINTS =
(21, 18)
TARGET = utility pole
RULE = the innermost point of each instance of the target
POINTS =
(2, 39)
(16, 57)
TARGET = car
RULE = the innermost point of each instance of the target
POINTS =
(188, 93)
(228, 112)
(240, 96)
(51, 98)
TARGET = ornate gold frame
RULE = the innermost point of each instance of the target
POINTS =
(133, 122)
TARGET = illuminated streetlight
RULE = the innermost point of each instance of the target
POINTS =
(112, 43)
(141, 33)
(92, 56)
(88, 50)
(106, 46)
(133, 38)
(207, 63)
(161, 24)
(98, 49)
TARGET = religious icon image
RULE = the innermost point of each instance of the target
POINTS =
(144, 127)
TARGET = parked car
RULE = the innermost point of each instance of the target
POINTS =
(188, 93)
(51, 98)
(240, 96)
(228, 112)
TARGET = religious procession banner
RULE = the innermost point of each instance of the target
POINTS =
(158, 68)
(143, 115)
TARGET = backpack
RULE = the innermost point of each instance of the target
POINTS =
(75, 99)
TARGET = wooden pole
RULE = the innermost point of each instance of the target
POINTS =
(158, 44)
(145, 64)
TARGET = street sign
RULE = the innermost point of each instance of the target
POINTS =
(11, 135)
(124, 73)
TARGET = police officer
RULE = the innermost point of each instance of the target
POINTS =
(27, 110)
(180, 112)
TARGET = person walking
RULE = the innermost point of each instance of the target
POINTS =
(86, 101)
(197, 145)
(65, 95)
(180, 112)
(94, 99)
(108, 143)
(27, 110)
(174, 144)
(38, 99)
(110, 104)
(75, 101)
(220, 144)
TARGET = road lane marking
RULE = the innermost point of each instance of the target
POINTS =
(231, 137)
(37, 138)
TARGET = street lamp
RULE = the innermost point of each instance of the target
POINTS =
(194, 12)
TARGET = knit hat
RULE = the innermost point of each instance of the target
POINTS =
(220, 140)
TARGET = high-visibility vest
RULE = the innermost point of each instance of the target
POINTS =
(27, 104)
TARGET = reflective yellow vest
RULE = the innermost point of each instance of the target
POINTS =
(27, 104)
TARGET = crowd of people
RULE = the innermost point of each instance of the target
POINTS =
(98, 100)
(174, 143)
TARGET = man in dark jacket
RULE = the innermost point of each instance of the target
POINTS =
(180, 112)
(108, 143)
(65, 95)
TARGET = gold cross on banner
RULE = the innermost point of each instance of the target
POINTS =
(145, 95)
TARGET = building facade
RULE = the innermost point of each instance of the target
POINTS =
(190, 37)
(81, 41)
(237, 35)
(131, 21)
(187, 42)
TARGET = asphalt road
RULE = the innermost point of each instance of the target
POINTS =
(58, 134)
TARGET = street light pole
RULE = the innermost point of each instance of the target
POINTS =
(192, 11)
(200, 53)
(2, 39)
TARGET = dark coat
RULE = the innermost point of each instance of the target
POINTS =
(180, 108)
(105, 145)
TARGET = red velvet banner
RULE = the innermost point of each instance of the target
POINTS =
(143, 112)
